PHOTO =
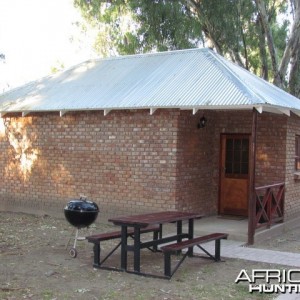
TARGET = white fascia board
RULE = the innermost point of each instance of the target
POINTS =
(259, 108)
(277, 110)
(296, 112)
(285, 111)
(217, 107)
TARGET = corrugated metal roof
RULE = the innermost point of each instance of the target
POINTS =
(185, 79)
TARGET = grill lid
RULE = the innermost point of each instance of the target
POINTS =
(82, 205)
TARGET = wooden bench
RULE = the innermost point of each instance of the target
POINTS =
(97, 238)
(174, 248)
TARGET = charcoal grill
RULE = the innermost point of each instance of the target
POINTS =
(80, 213)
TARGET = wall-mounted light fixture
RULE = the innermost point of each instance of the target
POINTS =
(202, 122)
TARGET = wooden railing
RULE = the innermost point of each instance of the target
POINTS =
(269, 205)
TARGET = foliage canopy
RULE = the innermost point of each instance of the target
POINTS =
(259, 35)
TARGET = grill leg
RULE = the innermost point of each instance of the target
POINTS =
(70, 239)
(76, 237)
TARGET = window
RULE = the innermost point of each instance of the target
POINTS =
(297, 153)
(237, 156)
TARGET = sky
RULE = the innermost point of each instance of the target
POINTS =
(35, 35)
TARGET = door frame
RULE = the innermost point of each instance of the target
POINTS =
(248, 135)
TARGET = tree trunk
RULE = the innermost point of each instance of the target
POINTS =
(294, 82)
(262, 49)
(291, 50)
(271, 46)
(235, 57)
(212, 43)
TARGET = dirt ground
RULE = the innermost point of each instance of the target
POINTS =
(34, 264)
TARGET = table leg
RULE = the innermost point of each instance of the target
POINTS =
(137, 249)
(124, 247)
(97, 250)
(179, 230)
(160, 231)
(218, 250)
(191, 235)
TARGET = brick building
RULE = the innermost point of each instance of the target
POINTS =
(128, 133)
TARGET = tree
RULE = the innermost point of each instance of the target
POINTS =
(249, 34)
(292, 54)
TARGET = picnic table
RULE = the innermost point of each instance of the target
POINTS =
(148, 219)
(136, 225)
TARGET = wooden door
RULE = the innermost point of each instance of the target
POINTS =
(234, 175)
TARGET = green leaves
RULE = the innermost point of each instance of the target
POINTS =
(247, 31)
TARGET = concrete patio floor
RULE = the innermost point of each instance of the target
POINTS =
(236, 227)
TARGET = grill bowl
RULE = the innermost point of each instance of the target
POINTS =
(81, 213)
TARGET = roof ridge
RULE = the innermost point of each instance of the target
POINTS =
(161, 53)
(248, 90)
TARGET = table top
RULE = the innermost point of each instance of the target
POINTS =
(144, 220)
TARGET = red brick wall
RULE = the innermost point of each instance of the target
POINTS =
(271, 149)
(131, 161)
(292, 193)
(194, 157)
(125, 161)
(199, 156)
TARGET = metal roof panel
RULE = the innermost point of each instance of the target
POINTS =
(177, 79)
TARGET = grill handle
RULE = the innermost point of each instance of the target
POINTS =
(83, 197)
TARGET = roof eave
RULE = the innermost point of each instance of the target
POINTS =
(260, 108)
